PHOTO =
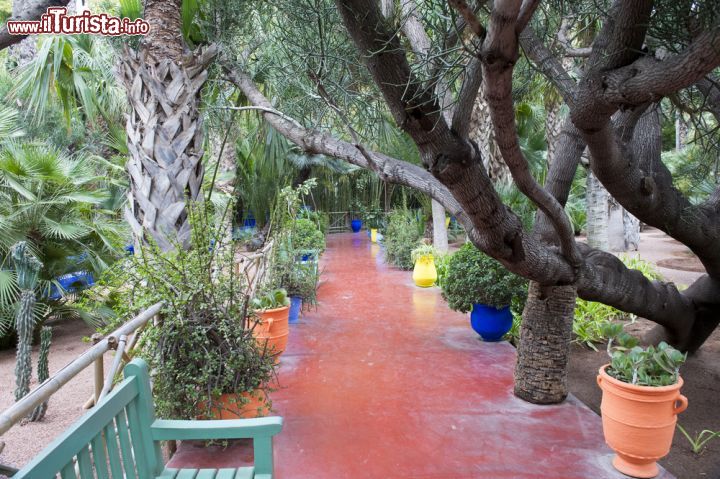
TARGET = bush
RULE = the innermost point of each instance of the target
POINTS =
(400, 239)
(322, 220)
(473, 277)
(306, 235)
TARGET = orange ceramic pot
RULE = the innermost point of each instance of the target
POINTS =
(272, 330)
(639, 422)
(230, 406)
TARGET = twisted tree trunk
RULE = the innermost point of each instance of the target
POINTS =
(545, 334)
(164, 127)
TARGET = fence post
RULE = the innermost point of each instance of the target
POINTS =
(99, 368)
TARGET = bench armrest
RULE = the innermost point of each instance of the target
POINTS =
(166, 430)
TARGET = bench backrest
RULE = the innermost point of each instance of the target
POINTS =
(114, 439)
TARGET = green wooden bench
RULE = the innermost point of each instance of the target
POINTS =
(120, 438)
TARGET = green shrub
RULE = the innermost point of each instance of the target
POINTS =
(441, 266)
(473, 277)
(401, 238)
(306, 235)
(322, 220)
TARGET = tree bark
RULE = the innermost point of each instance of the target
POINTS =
(481, 132)
(597, 214)
(164, 127)
(440, 236)
(545, 334)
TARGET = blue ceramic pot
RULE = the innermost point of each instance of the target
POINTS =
(249, 221)
(295, 307)
(489, 322)
(356, 225)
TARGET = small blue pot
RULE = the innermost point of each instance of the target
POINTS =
(356, 225)
(295, 307)
(489, 322)
(250, 221)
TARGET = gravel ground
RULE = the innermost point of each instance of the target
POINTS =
(22, 442)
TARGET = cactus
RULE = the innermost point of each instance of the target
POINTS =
(43, 369)
(27, 268)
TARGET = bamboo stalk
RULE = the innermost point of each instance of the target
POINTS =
(117, 362)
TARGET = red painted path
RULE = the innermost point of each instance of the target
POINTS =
(384, 381)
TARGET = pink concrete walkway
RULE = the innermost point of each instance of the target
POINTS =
(384, 381)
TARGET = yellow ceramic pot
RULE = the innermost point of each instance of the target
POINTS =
(373, 235)
(424, 273)
(447, 221)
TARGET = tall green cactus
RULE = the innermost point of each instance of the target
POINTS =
(27, 268)
(43, 369)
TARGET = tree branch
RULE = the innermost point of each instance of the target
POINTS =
(469, 16)
(32, 11)
(566, 43)
(548, 64)
(500, 51)
(601, 277)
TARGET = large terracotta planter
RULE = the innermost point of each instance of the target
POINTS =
(424, 272)
(639, 422)
(272, 330)
(230, 406)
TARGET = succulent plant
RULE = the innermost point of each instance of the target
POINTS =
(651, 366)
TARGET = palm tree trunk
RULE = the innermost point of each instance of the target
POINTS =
(545, 334)
(164, 129)
(481, 132)
(597, 199)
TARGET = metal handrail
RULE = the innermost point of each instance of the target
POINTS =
(27, 404)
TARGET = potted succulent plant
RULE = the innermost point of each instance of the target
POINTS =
(271, 310)
(424, 272)
(641, 400)
(475, 282)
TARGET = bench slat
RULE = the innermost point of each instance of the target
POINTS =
(143, 469)
(85, 464)
(206, 474)
(68, 471)
(168, 474)
(245, 473)
(230, 473)
(125, 447)
(68, 444)
(187, 474)
(99, 456)
(113, 451)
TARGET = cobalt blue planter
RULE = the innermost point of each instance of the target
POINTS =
(250, 221)
(130, 249)
(295, 307)
(71, 283)
(489, 322)
(356, 225)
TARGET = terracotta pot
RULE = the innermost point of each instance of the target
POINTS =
(229, 406)
(639, 422)
(272, 330)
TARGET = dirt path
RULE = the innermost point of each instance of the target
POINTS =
(22, 442)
